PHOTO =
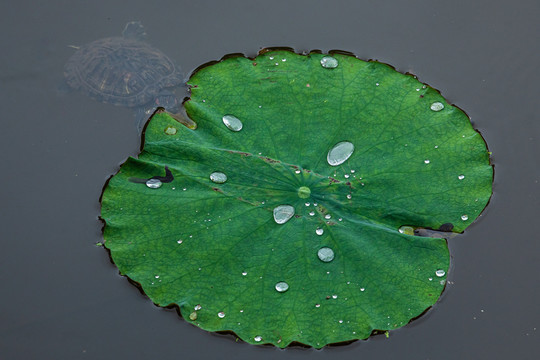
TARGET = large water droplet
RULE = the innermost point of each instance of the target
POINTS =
(283, 213)
(340, 153)
(325, 254)
(221, 314)
(282, 286)
(154, 183)
(329, 62)
(437, 106)
(440, 273)
(319, 231)
(232, 122)
(218, 177)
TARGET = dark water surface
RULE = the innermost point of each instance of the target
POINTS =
(63, 299)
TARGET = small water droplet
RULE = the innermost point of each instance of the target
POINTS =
(362, 289)
(221, 314)
(198, 307)
(297, 171)
(325, 254)
(426, 161)
(340, 219)
(440, 273)
(464, 217)
(179, 241)
(283, 213)
(329, 62)
(232, 123)
(461, 177)
(349, 196)
(340, 153)
(376, 84)
(244, 273)
(353, 171)
(340, 321)
(193, 316)
(327, 216)
(317, 305)
(271, 58)
(346, 176)
(257, 338)
(311, 213)
(437, 106)
(157, 276)
(218, 177)
(307, 204)
(407, 230)
(283, 60)
(282, 286)
(170, 130)
(319, 231)
(430, 279)
(154, 183)
(334, 296)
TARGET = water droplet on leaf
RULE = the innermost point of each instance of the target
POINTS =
(339, 153)
(282, 286)
(283, 213)
(232, 123)
(218, 177)
(407, 230)
(170, 130)
(440, 273)
(461, 177)
(154, 183)
(464, 217)
(319, 231)
(257, 338)
(221, 314)
(329, 62)
(437, 106)
(325, 254)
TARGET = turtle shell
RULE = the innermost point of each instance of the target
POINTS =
(121, 71)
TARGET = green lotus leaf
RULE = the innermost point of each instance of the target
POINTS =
(288, 214)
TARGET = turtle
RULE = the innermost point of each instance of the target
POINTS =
(127, 71)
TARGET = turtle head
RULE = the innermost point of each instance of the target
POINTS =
(167, 100)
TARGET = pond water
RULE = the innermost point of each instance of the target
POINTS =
(63, 298)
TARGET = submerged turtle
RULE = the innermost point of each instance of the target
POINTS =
(126, 71)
